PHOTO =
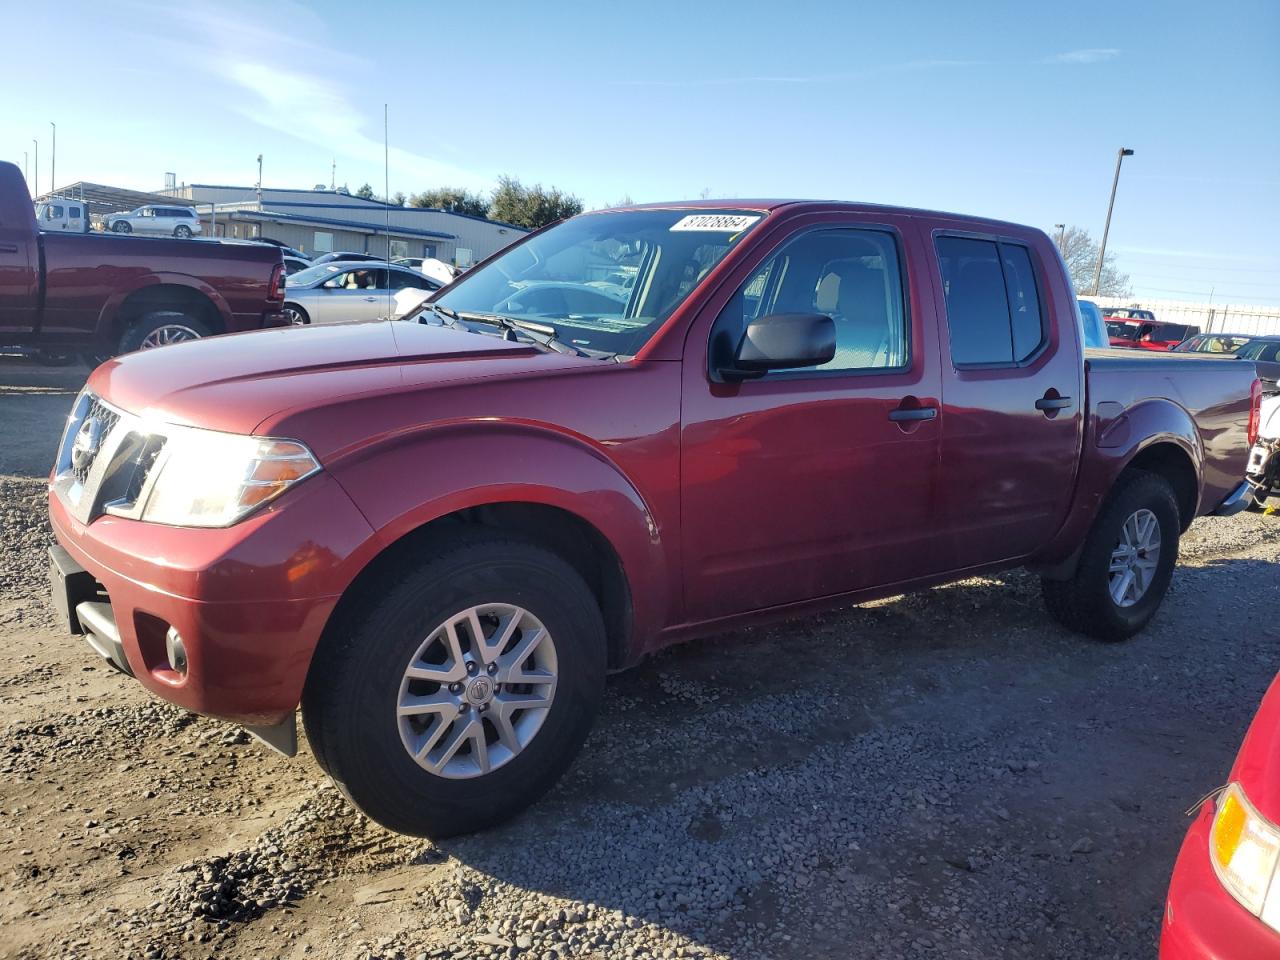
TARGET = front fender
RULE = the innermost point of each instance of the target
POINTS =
(402, 483)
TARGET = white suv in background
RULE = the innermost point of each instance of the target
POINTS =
(170, 221)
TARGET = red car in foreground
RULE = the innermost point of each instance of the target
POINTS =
(1224, 900)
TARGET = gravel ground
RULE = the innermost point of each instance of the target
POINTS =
(940, 774)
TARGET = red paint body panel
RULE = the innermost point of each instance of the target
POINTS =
(66, 290)
(1202, 921)
(724, 504)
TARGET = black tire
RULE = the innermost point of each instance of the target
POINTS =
(121, 226)
(182, 231)
(297, 316)
(1084, 603)
(138, 331)
(349, 702)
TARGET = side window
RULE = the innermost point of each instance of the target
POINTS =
(75, 213)
(851, 275)
(993, 307)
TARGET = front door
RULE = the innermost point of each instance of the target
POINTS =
(19, 272)
(360, 293)
(814, 482)
(1012, 390)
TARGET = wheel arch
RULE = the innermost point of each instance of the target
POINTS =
(162, 292)
(552, 488)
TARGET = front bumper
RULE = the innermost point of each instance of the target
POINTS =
(1238, 500)
(1201, 920)
(248, 602)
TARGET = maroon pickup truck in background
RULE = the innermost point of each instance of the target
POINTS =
(102, 294)
(438, 537)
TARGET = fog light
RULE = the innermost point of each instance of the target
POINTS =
(175, 650)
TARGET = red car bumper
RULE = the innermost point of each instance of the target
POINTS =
(248, 601)
(1201, 920)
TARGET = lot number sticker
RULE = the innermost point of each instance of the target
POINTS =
(715, 222)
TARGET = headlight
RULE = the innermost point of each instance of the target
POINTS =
(1244, 849)
(211, 479)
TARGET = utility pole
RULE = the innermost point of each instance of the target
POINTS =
(1062, 233)
(53, 163)
(259, 181)
(333, 174)
(1102, 250)
(35, 184)
(26, 165)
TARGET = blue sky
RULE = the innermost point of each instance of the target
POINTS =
(1013, 110)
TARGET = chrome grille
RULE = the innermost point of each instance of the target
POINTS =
(105, 461)
(107, 420)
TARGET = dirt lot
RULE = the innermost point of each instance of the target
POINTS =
(946, 774)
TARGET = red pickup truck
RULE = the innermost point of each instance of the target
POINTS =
(102, 294)
(439, 537)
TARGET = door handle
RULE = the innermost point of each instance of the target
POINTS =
(371, 299)
(8, 248)
(902, 414)
(1053, 403)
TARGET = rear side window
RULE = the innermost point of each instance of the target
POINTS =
(993, 303)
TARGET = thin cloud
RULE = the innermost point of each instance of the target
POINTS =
(292, 99)
(905, 66)
(1087, 55)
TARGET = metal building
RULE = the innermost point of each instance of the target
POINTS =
(326, 221)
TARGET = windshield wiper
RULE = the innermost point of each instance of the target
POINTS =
(541, 333)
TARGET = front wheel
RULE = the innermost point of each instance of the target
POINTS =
(121, 226)
(456, 696)
(1126, 563)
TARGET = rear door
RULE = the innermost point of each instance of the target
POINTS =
(815, 482)
(1012, 392)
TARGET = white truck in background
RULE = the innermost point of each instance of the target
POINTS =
(62, 215)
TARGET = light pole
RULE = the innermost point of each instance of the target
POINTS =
(259, 180)
(1062, 233)
(26, 165)
(35, 184)
(1102, 250)
(53, 162)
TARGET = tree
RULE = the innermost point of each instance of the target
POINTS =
(531, 207)
(1081, 255)
(453, 199)
(365, 192)
(398, 199)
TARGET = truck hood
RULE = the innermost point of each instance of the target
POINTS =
(235, 383)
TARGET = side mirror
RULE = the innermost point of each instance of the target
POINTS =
(781, 341)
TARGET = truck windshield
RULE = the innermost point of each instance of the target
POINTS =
(604, 281)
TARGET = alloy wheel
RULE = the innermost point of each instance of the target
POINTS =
(1135, 558)
(477, 690)
(167, 334)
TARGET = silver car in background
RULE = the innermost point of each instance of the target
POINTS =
(180, 222)
(345, 290)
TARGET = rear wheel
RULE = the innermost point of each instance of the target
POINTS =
(1126, 563)
(297, 316)
(454, 698)
(161, 328)
(182, 231)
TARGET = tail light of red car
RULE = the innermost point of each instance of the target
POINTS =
(276, 289)
(1255, 411)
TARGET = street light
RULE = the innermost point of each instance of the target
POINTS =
(35, 184)
(53, 162)
(1102, 250)
(1062, 233)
